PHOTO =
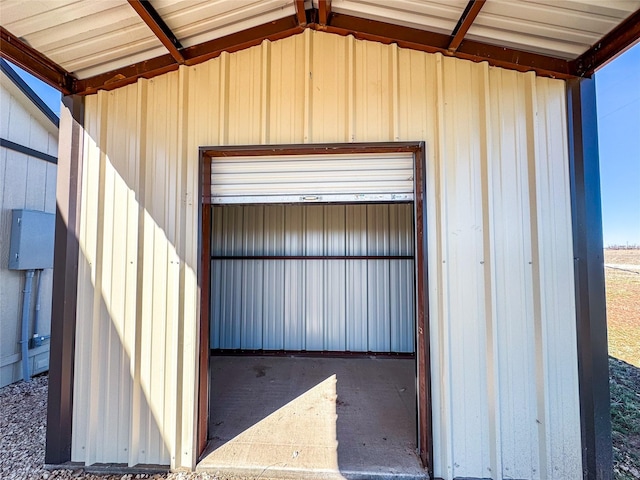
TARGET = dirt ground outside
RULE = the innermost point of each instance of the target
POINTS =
(622, 279)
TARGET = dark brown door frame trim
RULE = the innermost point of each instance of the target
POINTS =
(591, 322)
(65, 282)
(425, 430)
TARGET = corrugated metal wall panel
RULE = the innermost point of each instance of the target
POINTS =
(502, 330)
(316, 293)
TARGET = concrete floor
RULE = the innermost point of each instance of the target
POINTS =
(313, 418)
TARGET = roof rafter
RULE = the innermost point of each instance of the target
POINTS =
(324, 11)
(154, 21)
(301, 14)
(28, 58)
(464, 23)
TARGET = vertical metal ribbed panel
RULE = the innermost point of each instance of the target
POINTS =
(321, 303)
(501, 308)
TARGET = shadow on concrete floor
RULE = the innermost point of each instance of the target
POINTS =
(300, 417)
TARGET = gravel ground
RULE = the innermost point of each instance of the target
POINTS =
(23, 422)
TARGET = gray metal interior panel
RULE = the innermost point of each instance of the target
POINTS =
(314, 305)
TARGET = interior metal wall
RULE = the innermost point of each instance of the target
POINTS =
(501, 298)
(313, 305)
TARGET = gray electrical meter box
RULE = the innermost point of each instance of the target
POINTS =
(32, 238)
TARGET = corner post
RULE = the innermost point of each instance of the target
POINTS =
(591, 323)
(65, 281)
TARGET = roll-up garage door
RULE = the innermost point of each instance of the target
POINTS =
(343, 178)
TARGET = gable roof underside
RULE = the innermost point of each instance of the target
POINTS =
(81, 46)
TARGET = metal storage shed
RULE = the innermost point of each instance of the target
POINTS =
(501, 95)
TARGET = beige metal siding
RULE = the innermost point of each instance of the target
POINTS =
(501, 302)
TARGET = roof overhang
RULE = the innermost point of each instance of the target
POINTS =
(80, 47)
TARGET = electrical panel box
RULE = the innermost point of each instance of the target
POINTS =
(32, 239)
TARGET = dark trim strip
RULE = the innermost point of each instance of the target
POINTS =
(15, 50)
(591, 323)
(423, 344)
(313, 257)
(607, 48)
(16, 147)
(65, 282)
(204, 280)
(28, 91)
(154, 21)
(466, 20)
(311, 148)
(223, 352)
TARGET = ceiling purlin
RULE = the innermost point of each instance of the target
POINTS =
(28, 58)
(613, 43)
(466, 20)
(152, 19)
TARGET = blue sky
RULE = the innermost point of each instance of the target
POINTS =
(618, 97)
(48, 94)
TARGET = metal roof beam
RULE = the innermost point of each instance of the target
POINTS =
(301, 14)
(28, 58)
(324, 12)
(154, 21)
(615, 42)
(466, 20)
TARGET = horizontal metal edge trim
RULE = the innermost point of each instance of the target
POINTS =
(220, 352)
(310, 149)
(312, 257)
(297, 199)
(16, 147)
(110, 468)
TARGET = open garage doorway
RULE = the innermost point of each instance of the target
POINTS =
(314, 335)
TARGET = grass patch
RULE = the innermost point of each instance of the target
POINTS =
(625, 419)
(622, 279)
